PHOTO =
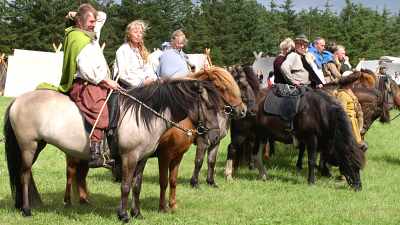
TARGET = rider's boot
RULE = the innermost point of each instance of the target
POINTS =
(97, 159)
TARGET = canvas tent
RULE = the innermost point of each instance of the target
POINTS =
(391, 64)
(27, 69)
(263, 65)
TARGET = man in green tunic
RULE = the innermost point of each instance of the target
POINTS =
(85, 75)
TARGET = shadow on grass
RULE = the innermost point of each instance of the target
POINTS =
(284, 159)
(386, 158)
(100, 204)
(151, 179)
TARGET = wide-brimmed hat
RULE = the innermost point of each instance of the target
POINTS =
(301, 38)
(350, 78)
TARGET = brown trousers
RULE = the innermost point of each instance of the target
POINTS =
(90, 98)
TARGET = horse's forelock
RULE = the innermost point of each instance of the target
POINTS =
(221, 78)
(368, 78)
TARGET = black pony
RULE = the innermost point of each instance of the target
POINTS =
(321, 125)
(243, 138)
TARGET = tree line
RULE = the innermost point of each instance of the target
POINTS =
(233, 29)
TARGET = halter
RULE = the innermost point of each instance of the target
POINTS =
(200, 128)
(230, 109)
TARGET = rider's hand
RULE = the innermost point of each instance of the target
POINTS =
(296, 83)
(71, 15)
(148, 80)
(110, 84)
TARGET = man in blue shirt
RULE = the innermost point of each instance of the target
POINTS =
(316, 49)
(174, 62)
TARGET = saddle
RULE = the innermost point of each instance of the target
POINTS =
(283, 101)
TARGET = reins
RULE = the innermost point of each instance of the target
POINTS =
(189, 132)
(398, 115)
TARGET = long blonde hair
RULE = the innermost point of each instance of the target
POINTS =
(286, 45)
(144, 53)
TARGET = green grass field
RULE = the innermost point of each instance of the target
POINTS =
(285, 198)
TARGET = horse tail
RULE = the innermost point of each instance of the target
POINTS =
(344, 142)
(14, 164)
(13, 157)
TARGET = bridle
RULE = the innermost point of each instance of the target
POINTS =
(229, 109)
(201, 127)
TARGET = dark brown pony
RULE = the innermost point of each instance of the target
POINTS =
(322, 126)
(173, 143)
(376, 96)
(243, 137)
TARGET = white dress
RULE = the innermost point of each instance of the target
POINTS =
(130, 67)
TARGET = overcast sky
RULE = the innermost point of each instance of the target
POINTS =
(337, 5)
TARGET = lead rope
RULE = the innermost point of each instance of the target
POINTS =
(189, 132)
(395, 117)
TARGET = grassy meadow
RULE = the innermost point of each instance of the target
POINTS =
(285, 198)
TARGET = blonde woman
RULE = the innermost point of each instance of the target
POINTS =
(132, 64)
(286, 46)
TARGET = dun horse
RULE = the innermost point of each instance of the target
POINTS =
(34, 119)
(174, 143)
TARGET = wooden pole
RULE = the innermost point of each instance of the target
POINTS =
(207, 52)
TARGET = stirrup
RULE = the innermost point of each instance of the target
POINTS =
(108, 162)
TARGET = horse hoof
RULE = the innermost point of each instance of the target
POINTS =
(163, 210)
(173, 207)
(251, 166)
(67, 205)
(311, 182)
(263, 177)
(124, 217)
(357, 188)
(213, 184)
(84, 201)
(194, 184)
(26, 212)
(136, 214)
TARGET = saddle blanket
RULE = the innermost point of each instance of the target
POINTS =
(283, 101)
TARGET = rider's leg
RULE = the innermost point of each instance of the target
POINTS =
(96, 157)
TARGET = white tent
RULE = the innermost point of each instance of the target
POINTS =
(27, 69)
(392, 65)
(263, 65)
